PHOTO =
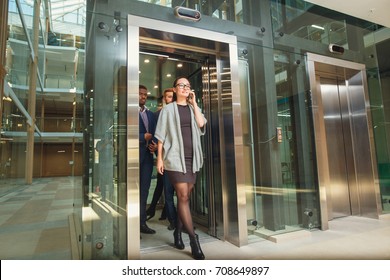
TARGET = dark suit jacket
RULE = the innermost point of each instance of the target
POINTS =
(144, 154)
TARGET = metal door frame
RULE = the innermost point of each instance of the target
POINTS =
(320, 141)
(234, 231)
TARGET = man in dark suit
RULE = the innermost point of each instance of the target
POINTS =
(147, 148)
(163, 184)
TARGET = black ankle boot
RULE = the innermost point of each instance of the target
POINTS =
(178, 240)
(150, 213)
(195, 248)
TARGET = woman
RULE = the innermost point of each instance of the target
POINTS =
(178, 132)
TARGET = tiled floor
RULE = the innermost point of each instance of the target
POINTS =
(354, 238)
(34, 220)
(34, 225)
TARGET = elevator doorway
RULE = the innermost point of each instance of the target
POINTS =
(209, 60)
(345, 151)
(166, 66)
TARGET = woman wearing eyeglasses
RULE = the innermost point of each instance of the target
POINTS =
(178, 132)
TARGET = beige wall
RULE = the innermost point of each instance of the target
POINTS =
(57, 158)
(48, 161)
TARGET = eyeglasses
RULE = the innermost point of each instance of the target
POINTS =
(183, 86)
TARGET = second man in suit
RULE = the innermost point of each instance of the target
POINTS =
(147, 148)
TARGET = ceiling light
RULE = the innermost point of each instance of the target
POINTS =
(154, 54)
(317, 26)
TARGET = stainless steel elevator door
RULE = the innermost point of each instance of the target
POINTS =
(338, 138)
(345, 151)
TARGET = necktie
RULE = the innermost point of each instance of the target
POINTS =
(145, 119)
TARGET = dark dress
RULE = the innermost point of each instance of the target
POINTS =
(185, 124)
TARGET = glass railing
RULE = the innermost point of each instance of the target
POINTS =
(18, 123)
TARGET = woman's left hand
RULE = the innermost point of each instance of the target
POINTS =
(160, 166)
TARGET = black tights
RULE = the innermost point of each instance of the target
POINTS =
(183, 192)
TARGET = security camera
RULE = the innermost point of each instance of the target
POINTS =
(186, 13)
(333, 48)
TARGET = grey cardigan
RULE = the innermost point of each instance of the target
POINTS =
(168, 131)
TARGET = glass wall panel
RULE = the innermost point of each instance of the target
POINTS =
(58, 108)
(18, 55)
(105, 139)
(378, 82)
(284, 194)
(231, 10)
(295, 137)
(314, 23)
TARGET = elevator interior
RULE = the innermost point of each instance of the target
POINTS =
(344, 139)
(197, 67)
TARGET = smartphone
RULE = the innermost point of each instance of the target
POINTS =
(190, 96)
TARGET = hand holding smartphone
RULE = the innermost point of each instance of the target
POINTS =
(190, 97)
